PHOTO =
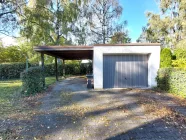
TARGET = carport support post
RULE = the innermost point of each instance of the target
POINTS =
(43, 68)
(56, 69)
(63, 68)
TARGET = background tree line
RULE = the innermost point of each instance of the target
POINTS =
(59, 22)
(168, 28)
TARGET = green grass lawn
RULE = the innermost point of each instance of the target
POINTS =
(9, 89)
(50, 80)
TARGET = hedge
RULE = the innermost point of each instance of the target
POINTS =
(70, 69)
(165, 58)
(172, 80)
(13, 70)
(32, 80)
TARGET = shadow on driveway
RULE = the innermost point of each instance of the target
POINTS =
(71, 111)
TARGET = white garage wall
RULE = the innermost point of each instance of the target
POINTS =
(153, 62)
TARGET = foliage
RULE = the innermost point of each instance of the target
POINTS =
(11, 71)
(180, 54)
(71, 68)
(179, 63)
(104, 12)
(172, 80)
(9, 90)
(146, 36)
(69, 22)
(119, 38)
(27, 51)
(180, 50)
(32, 80)
(48, 22)
(168, 27)
(59, 22)
(22, 52)
(165, 58)
(181, 44)
(9, 9)
(80, 29)
(11, 54)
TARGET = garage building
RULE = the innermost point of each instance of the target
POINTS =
(114, 66)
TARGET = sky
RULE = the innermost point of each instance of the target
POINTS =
(134, 12)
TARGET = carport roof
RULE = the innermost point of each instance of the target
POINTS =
(67, 52)
(80, 52)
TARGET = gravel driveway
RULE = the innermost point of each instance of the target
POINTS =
(71, 112)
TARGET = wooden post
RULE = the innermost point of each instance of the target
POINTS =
(56, 69)
(63, 68)
(92, 66)
(43, 67)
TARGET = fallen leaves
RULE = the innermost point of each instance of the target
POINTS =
(158, 110)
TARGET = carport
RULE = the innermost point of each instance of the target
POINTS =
(65, 53)
(133, 65)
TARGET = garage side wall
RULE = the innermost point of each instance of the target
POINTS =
(153, 61)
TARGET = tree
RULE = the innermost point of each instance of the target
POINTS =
(119, 38)
(81, 30)
(169, 27)
(11, 54)
(180, 54)
(103, 13)
(48, 22)
(9, 11)
(146, 36)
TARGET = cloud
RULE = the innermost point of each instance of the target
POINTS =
(7, 41)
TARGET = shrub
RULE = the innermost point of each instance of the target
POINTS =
(179, 63)
(166, 58)
(86, 68)
(50, 69)
(180, 53)
(33, 80)
(11, 70)
(172, 80)
(180, 50)
(70, 69)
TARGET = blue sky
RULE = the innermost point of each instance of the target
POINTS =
(134, 12)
